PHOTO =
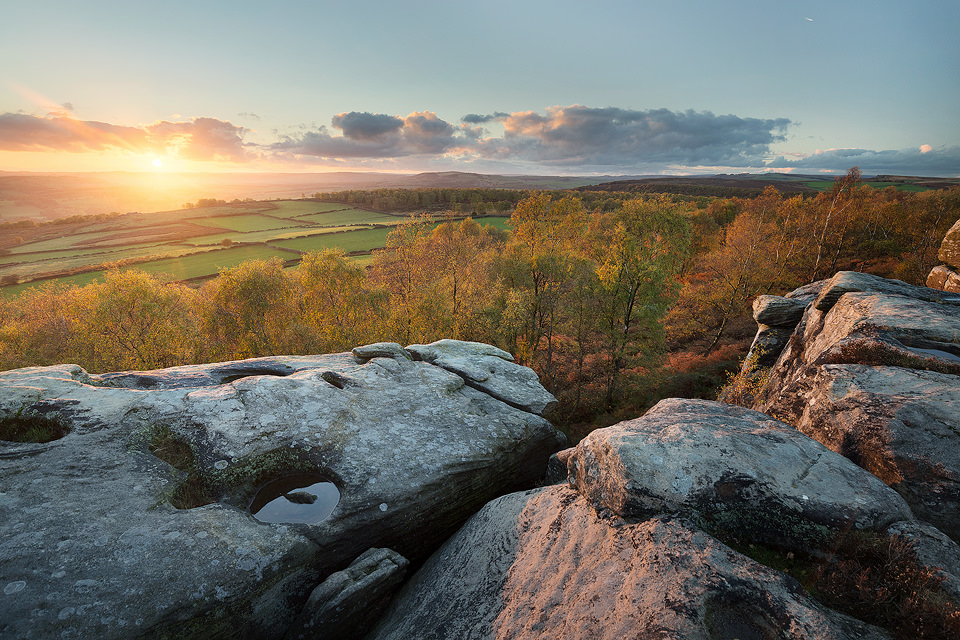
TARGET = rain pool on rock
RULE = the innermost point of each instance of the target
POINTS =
(305, 498)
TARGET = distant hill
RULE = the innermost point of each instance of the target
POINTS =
(54, 195)
(747, 185)
(45, 196)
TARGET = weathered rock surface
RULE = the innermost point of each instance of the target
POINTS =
(732, 469)
(347, 604)
(91, 544)
(933, 549)
(871, 372)
(767, 346)
(489, 369)
(853, 282)
(778, 311)
(776, 318)
(944, 278)
(950, 247)
(543, 564)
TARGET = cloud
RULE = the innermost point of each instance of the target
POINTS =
(375, 135)
(923, 160)
(197, 139)
(473, 118)
(366, 126)
(623, 138)
(21, 132)
(200, 139)
(567, 139)
(573, 136)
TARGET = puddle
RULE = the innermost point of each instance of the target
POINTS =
(303, 498)
(228, 375)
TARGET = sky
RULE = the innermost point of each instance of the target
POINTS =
(628, 87)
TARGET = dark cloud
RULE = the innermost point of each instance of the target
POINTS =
(366, 126)
(248, 115)
(926, 160)
(198, 139)
(369, 135)
(573, 136)
(473, 118)
(613, 137)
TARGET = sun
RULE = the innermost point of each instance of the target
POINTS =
(157, 162)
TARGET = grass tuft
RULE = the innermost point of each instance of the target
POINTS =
(32, 427)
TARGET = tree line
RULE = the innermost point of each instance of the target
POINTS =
(610, 305)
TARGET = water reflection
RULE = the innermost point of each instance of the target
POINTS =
(303, 498)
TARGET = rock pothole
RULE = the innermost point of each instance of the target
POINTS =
(306, 498)
(32, 427)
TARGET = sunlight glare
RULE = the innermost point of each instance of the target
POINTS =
(157, 162)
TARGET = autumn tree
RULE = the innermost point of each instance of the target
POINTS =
(247, 310)
(335, 309)
(638, 252)
(134, 320)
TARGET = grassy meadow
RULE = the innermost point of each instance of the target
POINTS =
(193, 243)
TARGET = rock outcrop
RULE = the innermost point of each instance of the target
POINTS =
(544, 564)
(138, 521)
(777, 317)
(628, 544)
(733, 470)
(872, 372)
(945, 277)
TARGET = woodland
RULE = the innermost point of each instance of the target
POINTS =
(615, 300)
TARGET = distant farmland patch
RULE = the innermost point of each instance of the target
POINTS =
(187, 244)
(197, 265)
(826, 185)
(243, 223)
(352, 216)
(364, 240)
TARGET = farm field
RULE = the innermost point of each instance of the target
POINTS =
(826, 185)
(244, 223)
(269, 236)
(191, 243)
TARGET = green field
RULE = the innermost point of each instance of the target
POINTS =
(187, 243)
(67, 260)
(363, 240)
(242, 223)
(826, 185)
(497, 222)
(297, 208)
(210, 262)
(270, 236)
(81, 279)
(352, 216)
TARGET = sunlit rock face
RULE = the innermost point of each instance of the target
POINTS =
(545, 564)
(873, 372)
(140, 519)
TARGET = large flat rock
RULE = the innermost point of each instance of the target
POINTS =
(91, 544)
